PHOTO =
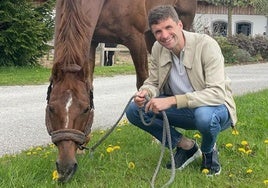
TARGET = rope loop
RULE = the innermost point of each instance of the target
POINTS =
(166, 137)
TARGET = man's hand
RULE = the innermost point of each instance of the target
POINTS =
(159, 104)
(140, 99)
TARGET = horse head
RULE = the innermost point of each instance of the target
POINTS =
(69, 117)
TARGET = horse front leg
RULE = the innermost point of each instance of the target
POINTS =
(139, 56)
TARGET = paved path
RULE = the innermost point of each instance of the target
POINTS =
(22, 108)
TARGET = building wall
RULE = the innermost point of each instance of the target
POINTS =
(207, 14)
(204, 22)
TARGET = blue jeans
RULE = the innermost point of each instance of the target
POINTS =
(208, 120)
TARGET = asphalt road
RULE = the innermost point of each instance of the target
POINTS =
(22, 108)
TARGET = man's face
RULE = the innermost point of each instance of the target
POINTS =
(168, 33)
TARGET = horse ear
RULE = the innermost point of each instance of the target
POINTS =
(71, 68)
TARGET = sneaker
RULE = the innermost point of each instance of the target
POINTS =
(184, 157)
(210, 162)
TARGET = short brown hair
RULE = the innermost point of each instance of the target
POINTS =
(161, 13)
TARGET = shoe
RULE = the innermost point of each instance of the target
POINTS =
(184, 157)
(210, 163)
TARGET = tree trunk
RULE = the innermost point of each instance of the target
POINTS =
(230, 21)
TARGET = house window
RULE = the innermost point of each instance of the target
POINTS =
(220, 28)
(244, 28)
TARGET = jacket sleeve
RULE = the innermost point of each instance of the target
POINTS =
(151, 84)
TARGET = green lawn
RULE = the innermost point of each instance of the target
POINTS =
(244, 158)
(40, 75)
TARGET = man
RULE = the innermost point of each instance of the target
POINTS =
(188, 82)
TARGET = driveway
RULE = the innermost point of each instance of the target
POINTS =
(22, 108)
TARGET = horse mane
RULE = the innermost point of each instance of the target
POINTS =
(72, 39)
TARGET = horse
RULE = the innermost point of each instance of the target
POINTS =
(79, 26)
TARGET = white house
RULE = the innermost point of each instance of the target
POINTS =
(213, 19)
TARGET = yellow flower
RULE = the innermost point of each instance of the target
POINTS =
(242, 150)
(197, 135)
(249, 171)
(266, 141)
(116, 147)
(109, 149)
(205, 171)
(231, 175)
(102, 132)
(38, 149)
(29, 153)
(55, 175)
(118, 129)
(265, 182)
(235, 132)
(249, 151)
(131, 165)
(244, 143)
(229, 145)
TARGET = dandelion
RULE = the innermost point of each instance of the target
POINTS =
(249, 171)
(265, 182)
(38, 149)
(131, 165)
(231, 175)
(235, 132)
(229, 145)
(249, 151)
(29, 153)
(266, 141)
(101, 132)
(244, 143)
(109, 149)
(242, 150)
(116, 147)
(55, 175)
(197, 136)
(205, 171)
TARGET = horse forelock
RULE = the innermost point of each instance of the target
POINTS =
(72, 39)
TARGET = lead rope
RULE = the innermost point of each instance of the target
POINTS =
(166, 136)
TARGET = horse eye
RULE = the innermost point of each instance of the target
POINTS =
(51, 109)
(86, 110)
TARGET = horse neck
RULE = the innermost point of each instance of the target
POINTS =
(71, 39)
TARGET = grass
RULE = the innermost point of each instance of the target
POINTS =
(40, 75)
(244, 158)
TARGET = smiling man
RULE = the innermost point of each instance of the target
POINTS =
(188, 82)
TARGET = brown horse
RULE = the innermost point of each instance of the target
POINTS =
(79, 23)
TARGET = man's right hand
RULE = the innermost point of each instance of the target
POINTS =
(140, 99)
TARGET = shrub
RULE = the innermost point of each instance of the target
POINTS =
(242, 55)
(228, 49)
(24, 31)
(244, 42)
(261, 45)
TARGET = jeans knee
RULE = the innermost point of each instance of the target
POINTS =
(131, 112)
(208, 124)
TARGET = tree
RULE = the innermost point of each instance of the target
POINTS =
(230, 4)
(24, 31)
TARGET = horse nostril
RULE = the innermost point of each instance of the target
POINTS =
(57, 165)
(75, 167)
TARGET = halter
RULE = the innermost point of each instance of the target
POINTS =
(77, 136)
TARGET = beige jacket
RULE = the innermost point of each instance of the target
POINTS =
(204, 64)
